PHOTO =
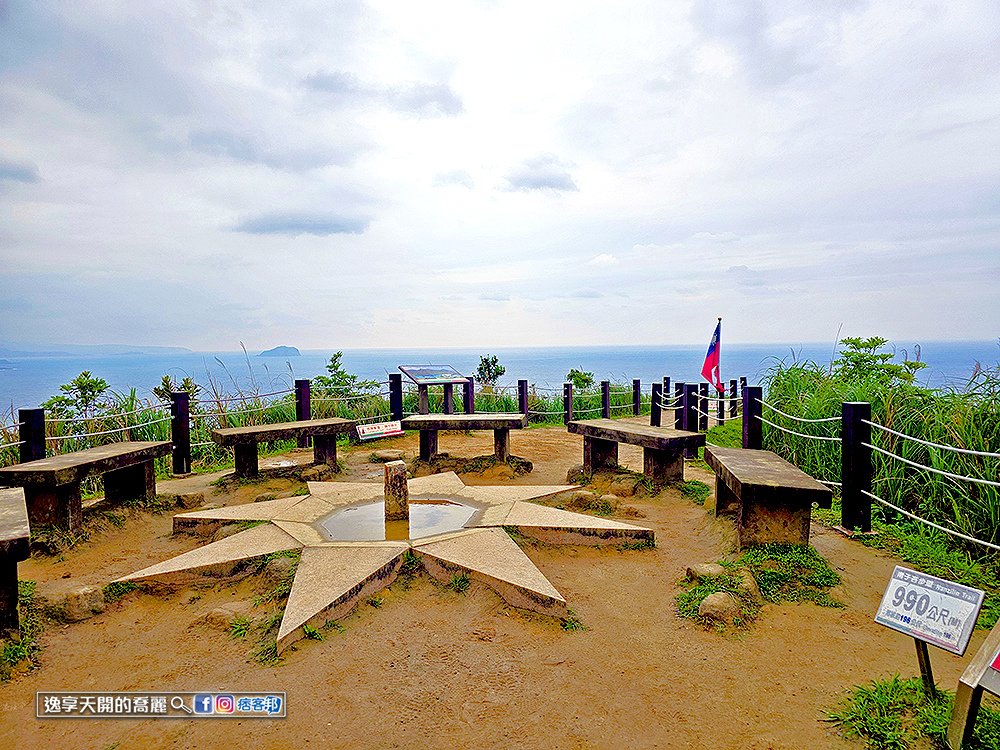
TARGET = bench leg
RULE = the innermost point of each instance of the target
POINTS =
(8, 595)
(57, 506)
(662, 466)
(428, 444)
(598, 454)
(246, 459)
(772, 522)
(325, 450)
(726, 501)
(136, 482)
(501, 444)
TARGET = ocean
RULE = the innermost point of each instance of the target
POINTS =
(26, 381)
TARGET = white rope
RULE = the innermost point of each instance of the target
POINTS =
(109, 416)
(532, 411)
(198, 445)
(799, 434)
(10, 445)
(240, 398)
(232, 413)
(929, 443)
(349, 398)
(797, 419)
(933, 525)
(928, 468)
(586, 411)
(10, 427)
(57, 438)
(832, 484)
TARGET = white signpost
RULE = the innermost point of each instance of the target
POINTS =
(930, 610)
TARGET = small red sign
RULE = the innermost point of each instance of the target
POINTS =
(996, 663)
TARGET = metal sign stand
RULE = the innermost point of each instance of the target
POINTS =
(981, 674)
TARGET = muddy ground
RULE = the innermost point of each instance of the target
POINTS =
(431, 668)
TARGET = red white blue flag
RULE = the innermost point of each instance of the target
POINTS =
(710, 370)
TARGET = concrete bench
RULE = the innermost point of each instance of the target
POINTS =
(14, 534)
(772, 498)
(429, 424)
(244, 440)
(663, 448)
(52, 485)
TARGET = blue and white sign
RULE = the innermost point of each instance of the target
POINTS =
(930, 609)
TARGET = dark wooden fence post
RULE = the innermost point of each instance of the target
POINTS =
(180, 432)
(732, 398)
(449, 398)
(395, 396)
(606, 399)
(469, 396)
(703, 407)
(522, 396)
(753, 432)
(856, 467)
(636, 397)
(743, 384)
(303, 407)
(655, 405)
(567, 403)
(678, 406)
(31, 433)
(721, 411)
(690, 417)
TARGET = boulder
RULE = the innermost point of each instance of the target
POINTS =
(220, 617)
(577, 475)
(748, 584)
(189, 500)
(697, 572)
(83, 602)
(623, 486)
(386, 455)
(720, 606)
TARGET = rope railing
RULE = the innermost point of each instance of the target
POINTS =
(930, 444)
(10, 427)
(535, 411)
(799, 434)
(11, 445)
(374, 416)
(797, 419)
(831, 483)
(950, 475)
(57, 438)
(587, 411)
(230, 399)
(107, 417)
(256, 410)
(933, 525)
(338, 399)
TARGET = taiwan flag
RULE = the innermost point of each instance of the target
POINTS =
(710, 370)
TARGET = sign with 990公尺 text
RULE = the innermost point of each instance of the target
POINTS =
(930, 609)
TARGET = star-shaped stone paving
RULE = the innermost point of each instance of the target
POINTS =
(333, 576)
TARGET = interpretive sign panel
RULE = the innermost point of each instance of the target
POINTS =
(432, 374)
(930, 609)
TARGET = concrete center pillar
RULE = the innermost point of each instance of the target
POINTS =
(397, 496)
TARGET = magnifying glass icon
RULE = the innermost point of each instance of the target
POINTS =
(177, 703)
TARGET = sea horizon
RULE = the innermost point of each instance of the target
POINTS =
(29, 379)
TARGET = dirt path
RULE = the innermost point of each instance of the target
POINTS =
(431, 668)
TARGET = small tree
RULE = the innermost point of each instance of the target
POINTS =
(580, 379)
(82, 399)
(339, 381)
(489, 370)
(168, 385)
(861, 360)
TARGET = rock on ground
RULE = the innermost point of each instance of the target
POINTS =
(697, 572)
(720, 606)
(189, 500)
(386, 455)
(82, 603)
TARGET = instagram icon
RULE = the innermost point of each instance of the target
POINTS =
(225, 704)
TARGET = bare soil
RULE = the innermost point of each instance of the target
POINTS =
(431, 668)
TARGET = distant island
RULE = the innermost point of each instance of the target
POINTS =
(281, 351)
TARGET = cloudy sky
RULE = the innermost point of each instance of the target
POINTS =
(498, 173)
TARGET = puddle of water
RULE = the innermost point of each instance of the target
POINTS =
(366, 523)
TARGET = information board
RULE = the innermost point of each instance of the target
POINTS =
(432, 374)
(930, 609)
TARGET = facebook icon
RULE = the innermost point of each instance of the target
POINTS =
(204, 703)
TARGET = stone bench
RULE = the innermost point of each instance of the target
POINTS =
(663, 448)
(14, 547)
(429, 424)
(52, 485)
(771, 497)
(244, 440)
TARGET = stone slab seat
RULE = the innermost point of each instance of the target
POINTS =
(52, 485)
(663, 448)
(14, 547)
(244, 440)
(429, 424)
(771, 497)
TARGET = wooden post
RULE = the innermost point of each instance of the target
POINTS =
(180, 432)
(703, 407)
(721, 411)
(522, 396)
(732, 398)
(423, 400)
(606, 399)
(654, 409)
(303, 407)
(636, 397)
(567, 403)
(665, 398)
(395, 396)
(753, 433)
(743, 384)
(924, 662)
(678, 406)
(469, 396)
(856, 467)
(31, 433)
(689, 419)
(449, 396)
